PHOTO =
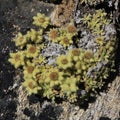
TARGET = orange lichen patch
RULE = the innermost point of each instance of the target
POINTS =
(63, 13)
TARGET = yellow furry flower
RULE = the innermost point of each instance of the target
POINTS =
(41, 20)
(17, 59)
(78, 66)
(42, 76)
(75, 53)
(32, 51)
(88, 54)
(54, 35)
(35, 36)
(30, 70)
(65, 40)
(20, 40)
(69, 85)
(64, 62)
(31, 86)
(54, 77)
(72, 29)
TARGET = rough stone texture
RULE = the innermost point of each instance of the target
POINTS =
(105, 107)
(16, 15)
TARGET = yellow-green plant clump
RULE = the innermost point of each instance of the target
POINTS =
(96, 22)
(64, 78)
(91, 2)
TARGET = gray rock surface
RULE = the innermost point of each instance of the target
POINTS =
(15, 104)
(107, 105)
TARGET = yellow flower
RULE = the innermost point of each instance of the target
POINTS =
(65, 40)
(72, 29)
(78, 66)
(35, 36)
(69, 85)
(54, 77)
(41, 20)
(31, 86)
(64, 62)
(43, 73)
(88, 54)
(20, 40)
(54, 35)
(75, 54)
(17, 59)
(32, 51)
(30, 70)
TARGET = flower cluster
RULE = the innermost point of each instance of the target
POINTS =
(71, 70)
(96, 22)
(64, 35)
(41, 20)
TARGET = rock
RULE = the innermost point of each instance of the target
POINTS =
(16, 15)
